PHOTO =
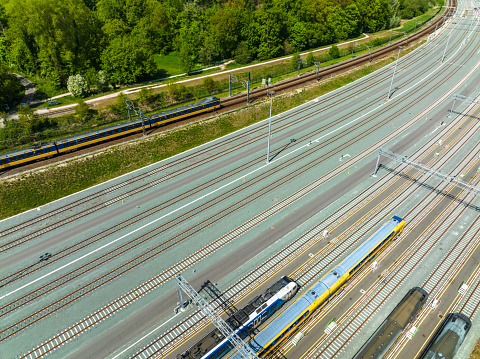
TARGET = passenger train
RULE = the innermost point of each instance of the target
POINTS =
(243, 322)
(296, 315)
(53, 148)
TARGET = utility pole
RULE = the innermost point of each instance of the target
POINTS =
(139, 112)
(299, 65)
(395, 69)
(244, 350)
(353, 48)
(446, 45)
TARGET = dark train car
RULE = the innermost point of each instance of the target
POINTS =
(388, 332)
(447, 338)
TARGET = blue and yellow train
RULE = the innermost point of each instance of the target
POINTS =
(53, 148)
(294, 317)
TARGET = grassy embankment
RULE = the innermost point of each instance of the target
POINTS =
(36, 188)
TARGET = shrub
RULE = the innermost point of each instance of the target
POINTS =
(209, 84)
(77, 85)
(295, 60)
(334, 52)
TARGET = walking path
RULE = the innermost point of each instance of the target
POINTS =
(137, 89)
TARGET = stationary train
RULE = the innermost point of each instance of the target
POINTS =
(391, 328)
(296, 315)
(53, 148)
(448, 337)
(243, 322)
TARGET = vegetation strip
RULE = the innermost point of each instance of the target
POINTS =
(39, 187)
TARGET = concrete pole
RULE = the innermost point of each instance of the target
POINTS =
(230, 85)
(395, 69)
(446, 45)
(353, 47)
(269, 129)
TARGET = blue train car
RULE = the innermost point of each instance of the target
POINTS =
(295, 316)
(214, 345)
(30, 154)
(70, 143)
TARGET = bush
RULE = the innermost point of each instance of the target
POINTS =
(295, 60)
(82, 111)
(209, 84)
(334, 52)
(77, 85)
(178, 91)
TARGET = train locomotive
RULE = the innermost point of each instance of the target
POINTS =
(391, 328)
(243, 322)
(447, 338)
(296, 315)
(53, 148)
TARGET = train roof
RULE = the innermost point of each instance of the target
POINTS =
(367, 246)
(288, 316)
(27, 149)
(159, 114)
(185, 107)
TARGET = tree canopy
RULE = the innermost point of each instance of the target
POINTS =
(58, 39)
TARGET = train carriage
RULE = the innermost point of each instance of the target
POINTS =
(296, 315)
(70, 143)
(30, 154)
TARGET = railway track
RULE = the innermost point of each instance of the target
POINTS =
(23, 272)
(234, 144)
(30, 297)
(238, 101)
(313, 234)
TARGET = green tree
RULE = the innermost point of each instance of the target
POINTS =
(299, 36)
(271, 31)
(127, 60)
(334, 52)
(242, 54)
(57, 38)
(224, 30)
(11, 90)
(102, 81)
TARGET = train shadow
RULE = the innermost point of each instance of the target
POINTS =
(430, 188)
(215, 294)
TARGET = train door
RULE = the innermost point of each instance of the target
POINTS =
(257, 321)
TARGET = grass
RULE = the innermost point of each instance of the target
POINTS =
(410, 24)
(36, 188)
(169, 63)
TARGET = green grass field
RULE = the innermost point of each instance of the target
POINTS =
(169, 63)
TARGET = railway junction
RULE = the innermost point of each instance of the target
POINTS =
(92, 275)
